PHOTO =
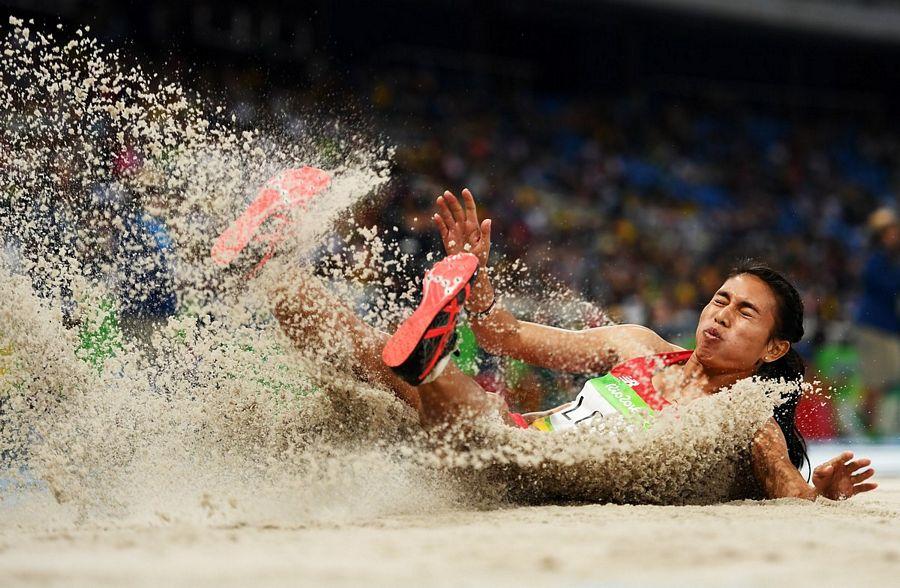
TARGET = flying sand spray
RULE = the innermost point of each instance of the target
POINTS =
(217, 417)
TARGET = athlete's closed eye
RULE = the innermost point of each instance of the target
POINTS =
(749, 310)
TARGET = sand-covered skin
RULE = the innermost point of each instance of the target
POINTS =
(783, 542)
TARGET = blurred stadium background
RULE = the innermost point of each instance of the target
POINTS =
(634, 150)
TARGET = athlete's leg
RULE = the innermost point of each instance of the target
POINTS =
(455, 395)
(315, 319)
(318, 322)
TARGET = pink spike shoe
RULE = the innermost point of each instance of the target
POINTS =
(420, 348)
(288, 190)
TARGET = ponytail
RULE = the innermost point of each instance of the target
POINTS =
(789, 367)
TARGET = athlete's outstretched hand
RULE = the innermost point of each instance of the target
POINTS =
(838, 479)
(459, 226)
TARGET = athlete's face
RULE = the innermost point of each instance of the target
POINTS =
(735, 329)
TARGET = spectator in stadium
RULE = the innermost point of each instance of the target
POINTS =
(878, 321)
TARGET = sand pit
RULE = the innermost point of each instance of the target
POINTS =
(734, 544)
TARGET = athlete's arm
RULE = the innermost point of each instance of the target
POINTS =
(500, 333)
(589, 350)
(837, 479)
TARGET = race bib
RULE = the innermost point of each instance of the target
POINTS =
(600, 397)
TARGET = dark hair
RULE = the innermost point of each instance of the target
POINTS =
(789, 367)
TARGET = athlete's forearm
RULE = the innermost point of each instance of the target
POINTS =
(501, 333)
(590, 350)
(482, 295)
(773, 468)
(498, 330)
(785, 481)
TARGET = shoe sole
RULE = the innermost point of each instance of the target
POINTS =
(283, 192)
(457, 270)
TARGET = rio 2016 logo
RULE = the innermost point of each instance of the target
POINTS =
(617, 393)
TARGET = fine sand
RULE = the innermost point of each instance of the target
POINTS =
(788, 542)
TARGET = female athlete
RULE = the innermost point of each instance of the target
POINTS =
(745, 330)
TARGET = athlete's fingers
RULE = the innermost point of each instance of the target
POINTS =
(857, 478)
(486, 231)
(469, 203)
(839, 460)
(858, 463)
(458, 213)
(823, 476)
(864, 487)
(823, 472)
(446, 215)
(442, 228)
(827, 465)
(443, 207)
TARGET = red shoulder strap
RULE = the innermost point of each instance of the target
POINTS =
(638, 374)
